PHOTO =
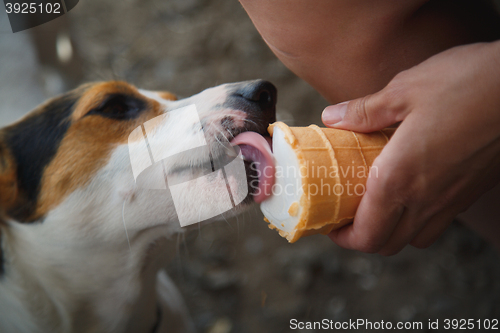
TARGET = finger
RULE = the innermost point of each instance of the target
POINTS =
(408, 227)
(432, 230)
(442, 220)
(418, 230)
(367, 114)
(375, 220)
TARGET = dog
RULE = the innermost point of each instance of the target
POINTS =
(82, 245)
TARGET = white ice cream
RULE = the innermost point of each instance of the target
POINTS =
(282, 209)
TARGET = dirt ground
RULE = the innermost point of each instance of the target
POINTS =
(237, 275)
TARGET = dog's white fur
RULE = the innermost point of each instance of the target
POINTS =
(91, 265)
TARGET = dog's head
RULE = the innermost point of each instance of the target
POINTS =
(68, 163)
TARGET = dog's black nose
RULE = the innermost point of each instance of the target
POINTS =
(261, 92)
(257, 99)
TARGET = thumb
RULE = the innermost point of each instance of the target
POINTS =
(367, 114)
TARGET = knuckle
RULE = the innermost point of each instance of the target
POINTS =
(389, 252)
(359, 113)
(395, 95)
(407, 183)
(369, 246)
(396, 185)
(422, 244)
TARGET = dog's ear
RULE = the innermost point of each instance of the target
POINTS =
(26, 148)
(8, 182)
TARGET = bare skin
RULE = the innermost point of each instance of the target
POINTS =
(445, 154)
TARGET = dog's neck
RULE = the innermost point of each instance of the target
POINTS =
(100, 287)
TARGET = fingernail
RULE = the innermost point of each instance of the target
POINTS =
(334, 113)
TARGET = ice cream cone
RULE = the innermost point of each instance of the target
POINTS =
(334, 166)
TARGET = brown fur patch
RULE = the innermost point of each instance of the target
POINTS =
(96, 94)
(167, 95)
(88, 144)
(8, 184)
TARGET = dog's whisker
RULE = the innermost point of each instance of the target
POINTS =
(177, 245)
(221, 133)
(211, 124)
(250, 122)
(286, 120)
(186, 249)
(218, 140)
(237, 228)
(125, 226)
(230, 133)
(227, 222)
(199, 230)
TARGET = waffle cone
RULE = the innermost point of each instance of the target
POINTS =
(334, 166)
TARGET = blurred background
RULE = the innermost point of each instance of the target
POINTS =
(239, 276)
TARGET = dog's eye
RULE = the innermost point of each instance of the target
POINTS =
(118, 106)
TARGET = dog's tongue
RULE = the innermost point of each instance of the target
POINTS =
(256, 148)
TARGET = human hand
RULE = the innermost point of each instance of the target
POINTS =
(444, 155)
